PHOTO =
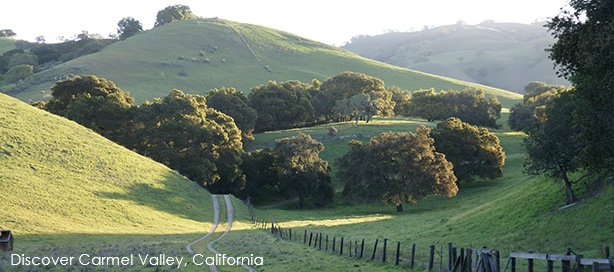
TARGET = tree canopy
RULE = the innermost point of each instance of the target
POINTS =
(472, 151)
(537, 96)
(552, 149)
(128, 27)
(233, 103)
(583, 54)
(282, 105)
(303, 173)
(179, 130)
(469, 106)
(396, 168)
(173, 14)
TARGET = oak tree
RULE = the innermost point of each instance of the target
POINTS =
(396, 168)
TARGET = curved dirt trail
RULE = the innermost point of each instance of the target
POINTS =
(216, 220)
(230, 212)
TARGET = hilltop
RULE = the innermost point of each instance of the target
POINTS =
(201, 54)
(61, 181)
(502, 55)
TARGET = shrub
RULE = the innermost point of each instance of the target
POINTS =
(18, 73)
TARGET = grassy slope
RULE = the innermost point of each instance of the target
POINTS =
(65, 185)
(6, 44)
(147, 65)
(516, 212)
(514, 53)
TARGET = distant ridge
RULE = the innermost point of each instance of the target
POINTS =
(502, 55)
(201, 54)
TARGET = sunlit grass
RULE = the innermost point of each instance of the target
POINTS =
(66, 186)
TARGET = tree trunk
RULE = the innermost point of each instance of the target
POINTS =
(400, 207)
(571, 198)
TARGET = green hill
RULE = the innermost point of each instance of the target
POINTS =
(201, 54)
(6, 44)
(64, 184)
(503, 55)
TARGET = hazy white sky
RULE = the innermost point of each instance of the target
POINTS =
(328, 21)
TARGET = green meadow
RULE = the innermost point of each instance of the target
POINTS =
(218, 53)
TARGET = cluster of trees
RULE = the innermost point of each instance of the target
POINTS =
(576, 126)
(407, 167)
(184, 133)
(292, 169)
(524, 115)
(471, 107)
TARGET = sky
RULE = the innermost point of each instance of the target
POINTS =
(333, 22)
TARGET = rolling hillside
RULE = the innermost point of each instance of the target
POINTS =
(64, 184)
(502, 55)
(201, 54)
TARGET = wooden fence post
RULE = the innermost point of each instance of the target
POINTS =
(431, 257)
(595, 267)
(290, 232)
(530, 263)
(310, 236)
(398, 253)
(315, 242)
(326, 242)
(498, 260)
(341, 247)
(384, 256)
(374, 249)
(355, 248)
(413, 253)
(450, 262)
(320, 245)
(362, 247)
(513, 264)
(305, 238)
(566, 264)
(579, 261)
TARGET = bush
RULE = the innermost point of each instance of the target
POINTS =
(18, 73)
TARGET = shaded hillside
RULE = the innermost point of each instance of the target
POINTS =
(60, 178)
(502, 55)
(6, 44)
(201, 54)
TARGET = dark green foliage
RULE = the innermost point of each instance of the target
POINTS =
(537, 96)
(552, 150)
(396, 168)
(282, 105)
(18, 73)
(179, 130)
(262, 174)
(199, 142)
(303, 173)
(233, 104)
(67, 91)
(472, 151)
(69, 50)
(173, 14)
(401, 99)
(583, 53)
(7, 33)
(469, 106)
(348, 84)
(128, 27)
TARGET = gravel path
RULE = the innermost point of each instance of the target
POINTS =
(216, 220)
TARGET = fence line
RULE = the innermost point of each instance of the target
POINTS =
(458, 259)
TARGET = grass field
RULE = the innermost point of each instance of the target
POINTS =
(514, 213)
(66, 190)
(239, 55)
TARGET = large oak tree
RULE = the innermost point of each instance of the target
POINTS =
(396, 168)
